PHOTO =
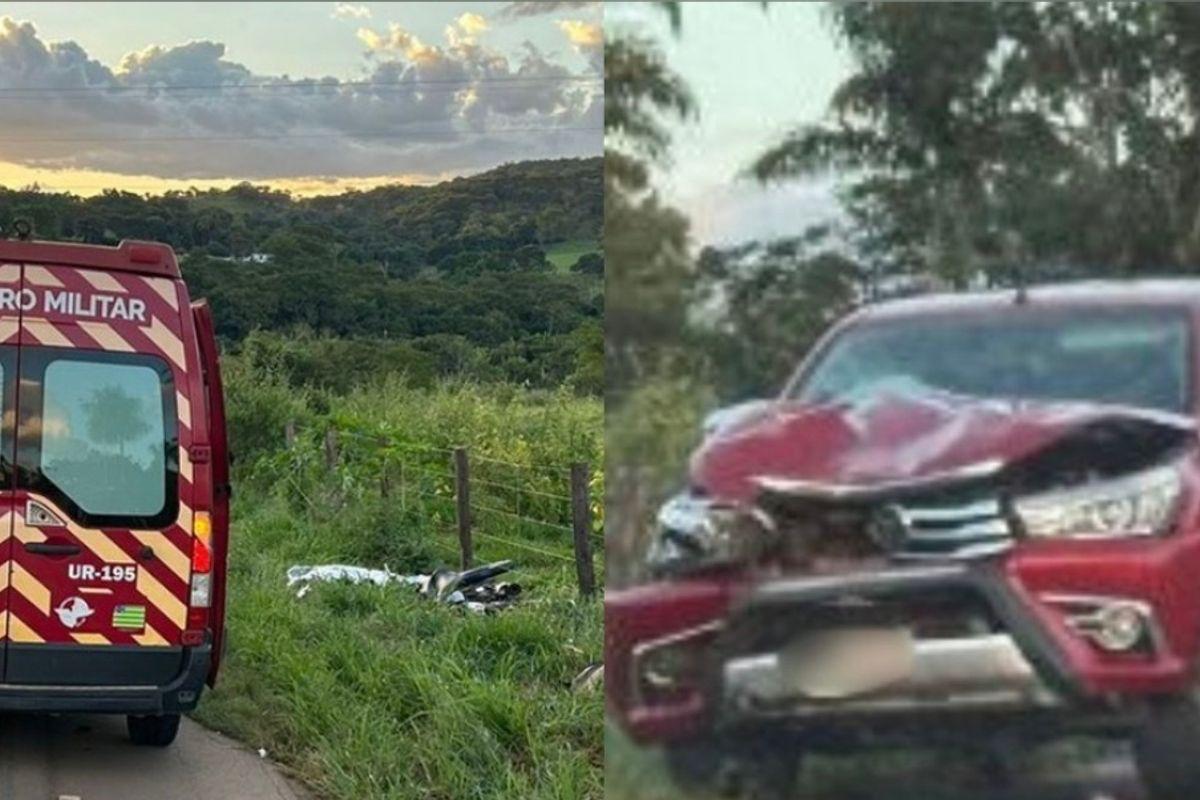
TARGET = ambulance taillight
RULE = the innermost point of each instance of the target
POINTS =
(201, 587)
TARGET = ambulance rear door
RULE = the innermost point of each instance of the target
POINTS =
(101, 513)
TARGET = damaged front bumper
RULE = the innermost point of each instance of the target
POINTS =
(977, 672)
(945, 638)
(957, 640)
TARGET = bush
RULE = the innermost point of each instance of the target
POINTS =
(259, 402)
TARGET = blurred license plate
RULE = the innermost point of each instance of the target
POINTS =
(831, 665)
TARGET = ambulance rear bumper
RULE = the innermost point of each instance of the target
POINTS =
(179, 695)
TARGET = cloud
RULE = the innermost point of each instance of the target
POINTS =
(176, 111)
(532, 8)
(588, 40)
(465, 30)
(396, 40)
(584, 35)
(200, 62)
(350, 11)
(471, 24)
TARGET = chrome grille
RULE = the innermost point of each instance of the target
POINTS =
(949, 522)
(960, 530)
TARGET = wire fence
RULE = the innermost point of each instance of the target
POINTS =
(465, 502)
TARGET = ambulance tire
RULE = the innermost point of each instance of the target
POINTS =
(1166, 749)
(152, 730)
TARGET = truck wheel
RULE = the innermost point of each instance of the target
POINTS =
(152, 730)
(1166, 749)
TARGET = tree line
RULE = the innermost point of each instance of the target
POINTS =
(974, 144)
(446, 280)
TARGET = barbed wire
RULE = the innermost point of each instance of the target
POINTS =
(493, 510)
(417, 491)
(522, 490)
(382, 440)
(529, 467)
(524, 546)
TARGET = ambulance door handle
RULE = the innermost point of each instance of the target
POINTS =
(52, 548)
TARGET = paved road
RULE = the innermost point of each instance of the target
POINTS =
(89, 758)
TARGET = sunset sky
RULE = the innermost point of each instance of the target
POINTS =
(151, 97)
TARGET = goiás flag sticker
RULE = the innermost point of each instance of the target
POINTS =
(129, 618)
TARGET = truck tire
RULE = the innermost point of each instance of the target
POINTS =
(156, 730)
(1166, 749)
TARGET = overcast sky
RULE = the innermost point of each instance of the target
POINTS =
(756, 74)
(480, 84)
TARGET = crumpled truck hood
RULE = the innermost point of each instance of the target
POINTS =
(892, 438)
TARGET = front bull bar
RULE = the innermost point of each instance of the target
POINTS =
(1015, 668)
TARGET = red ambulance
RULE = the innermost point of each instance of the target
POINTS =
(114, 485)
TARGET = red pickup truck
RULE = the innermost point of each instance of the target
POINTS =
(966, 517)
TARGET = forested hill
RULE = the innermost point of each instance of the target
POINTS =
(496, 276)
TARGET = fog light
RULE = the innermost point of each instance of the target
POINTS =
(1119, 627)
(1113, 624)
(669, 669)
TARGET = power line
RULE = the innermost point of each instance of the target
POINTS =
(270, 137)
(398, 90)
(304, 84)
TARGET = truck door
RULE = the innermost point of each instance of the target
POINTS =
(99, 556)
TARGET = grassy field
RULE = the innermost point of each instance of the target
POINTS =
(563, 254)
(368, 692)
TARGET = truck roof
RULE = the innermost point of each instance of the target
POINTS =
(143, 258)
(1157, 293)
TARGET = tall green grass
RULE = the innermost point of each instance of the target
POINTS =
(370, 692)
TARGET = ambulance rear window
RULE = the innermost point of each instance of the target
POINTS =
(106, 447)
(102, 434)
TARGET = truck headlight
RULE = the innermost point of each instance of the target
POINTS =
(693, 531)
(1142, 504)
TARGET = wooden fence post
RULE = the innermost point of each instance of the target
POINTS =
(385, 482)
(462, 491)
(331, 449)
(403, 488)
(581, 525)
(289, 434)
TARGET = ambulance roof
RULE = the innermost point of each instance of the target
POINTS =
(144, 258)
